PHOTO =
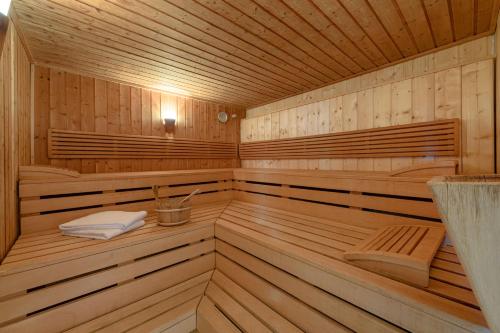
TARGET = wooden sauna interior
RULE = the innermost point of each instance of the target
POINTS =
(311, 129)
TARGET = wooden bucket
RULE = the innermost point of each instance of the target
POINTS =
(174, 216)
(171, 212)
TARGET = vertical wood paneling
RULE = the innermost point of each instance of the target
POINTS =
(42, 110)
(3, 157)
(146, 121)
(365, 120)
(336, 125)
(73, 105)
(382, 117)
(442, 85)
(101, 115)
(423, 97)
(135, 121)
(87, 110)
(58, 116)
(350, 123)
(497, 93)
(73, 102)
(125, 122)
(15, 129)
(401, 113)
(478, 116)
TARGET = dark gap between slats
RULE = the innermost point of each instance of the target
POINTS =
(70, 278)
(70, 300)
(393, 196)
(53, 196)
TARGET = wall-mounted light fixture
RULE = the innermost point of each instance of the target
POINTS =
(169, 116)
(4, 7)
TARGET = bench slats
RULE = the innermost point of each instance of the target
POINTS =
(405, 305)
(161, 315)
(125, 312)
(71, 314)
(35, 223)
(60, 203)
(395, 205)
(259, 309)
(46, 203)
(318, 223)
(345, 313)
(359, 218)
(279, 262)
(298, 313)
(233, 310)
(63, 291)
(212, 320)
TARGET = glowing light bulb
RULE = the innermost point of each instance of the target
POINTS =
(4, 7)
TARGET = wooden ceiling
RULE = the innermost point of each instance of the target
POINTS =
(245, 52)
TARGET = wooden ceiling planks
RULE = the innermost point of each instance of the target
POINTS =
(245, 52)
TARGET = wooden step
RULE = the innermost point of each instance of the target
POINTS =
(402, 252)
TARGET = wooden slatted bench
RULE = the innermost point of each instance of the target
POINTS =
(264, 252)
(299, 224)
(150, 279)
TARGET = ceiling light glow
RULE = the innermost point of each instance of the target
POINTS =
(4, 7)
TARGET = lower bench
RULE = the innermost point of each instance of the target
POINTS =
(150, 279)
(298, 257)
(249, 295)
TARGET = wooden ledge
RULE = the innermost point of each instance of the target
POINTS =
(401, 252)
(439, 168)
(42, 172)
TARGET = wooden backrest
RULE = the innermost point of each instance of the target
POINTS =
(77, 144)
(433, 138)
(51, 196)
(367, 199)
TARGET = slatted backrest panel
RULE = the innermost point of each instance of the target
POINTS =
(435, 138)
(46, 203)
(75, 144)
(364, 199)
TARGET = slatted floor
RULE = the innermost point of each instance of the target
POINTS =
(447, 278)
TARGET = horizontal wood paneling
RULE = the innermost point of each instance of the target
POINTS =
(83, 145)
(15, 131)
(437, 138)
(66, 101)
(244, 52)
(453, 83)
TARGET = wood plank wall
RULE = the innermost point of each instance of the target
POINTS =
(15, 131)
(453, 83)
(497, 92)
(69, 101)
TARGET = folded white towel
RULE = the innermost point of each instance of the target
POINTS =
(102, 233)
(105, 220)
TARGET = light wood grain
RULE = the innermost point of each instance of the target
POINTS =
(403, 253)
(15, 129)
(107, 108)
(469, 206)
(245, 53)
(438, 138)
(447, 84)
